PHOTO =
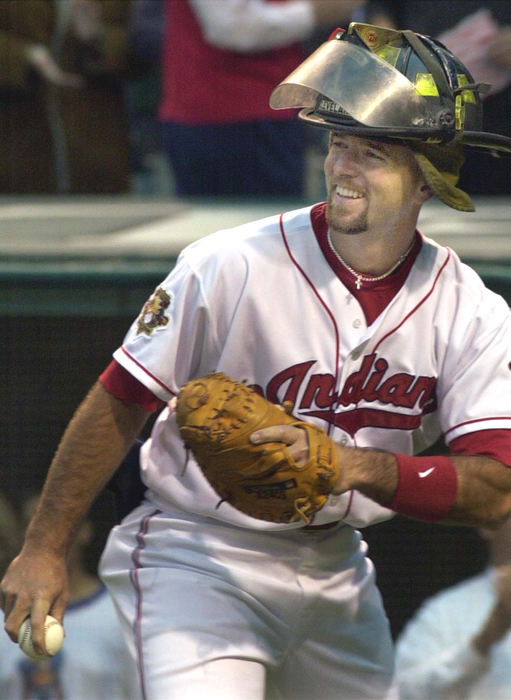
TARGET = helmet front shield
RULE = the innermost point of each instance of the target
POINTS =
(362, 85)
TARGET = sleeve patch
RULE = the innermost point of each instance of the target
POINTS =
(153, 315)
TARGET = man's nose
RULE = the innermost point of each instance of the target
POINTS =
(346, 161)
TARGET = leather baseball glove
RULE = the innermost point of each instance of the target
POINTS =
(216, 415)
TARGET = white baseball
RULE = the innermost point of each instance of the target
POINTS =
(53, 638)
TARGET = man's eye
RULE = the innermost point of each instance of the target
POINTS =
(374, 154)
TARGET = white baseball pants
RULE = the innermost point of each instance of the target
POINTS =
(219, 612)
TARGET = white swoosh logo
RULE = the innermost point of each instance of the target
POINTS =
(426, 472)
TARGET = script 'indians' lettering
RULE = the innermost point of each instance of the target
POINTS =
(315, 395)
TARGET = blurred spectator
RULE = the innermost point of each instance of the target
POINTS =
(149, 165)
(146, 29)
(458, 645)
(220, 62)
(479, 33)
(11, 533)
(62, 67)
(93, 663)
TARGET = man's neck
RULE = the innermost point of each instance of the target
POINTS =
(371, 255)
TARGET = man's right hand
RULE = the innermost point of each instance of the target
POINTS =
(35, 584)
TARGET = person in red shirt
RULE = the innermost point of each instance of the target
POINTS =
(220, 62)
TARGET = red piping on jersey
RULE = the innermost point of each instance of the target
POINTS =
(476, 420)
(418, 305)
(137, 625)
(334, 323)
(146, 371)
(318, 296)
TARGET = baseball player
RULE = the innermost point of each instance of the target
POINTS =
(370, 330)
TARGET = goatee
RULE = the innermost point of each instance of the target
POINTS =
(338, 224)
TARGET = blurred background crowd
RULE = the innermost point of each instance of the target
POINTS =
(154, 96)
(170, 97)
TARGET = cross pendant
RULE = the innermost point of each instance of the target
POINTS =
(358, 283)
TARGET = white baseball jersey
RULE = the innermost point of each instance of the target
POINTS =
(261, 303)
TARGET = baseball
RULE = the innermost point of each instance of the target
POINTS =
(53, 638)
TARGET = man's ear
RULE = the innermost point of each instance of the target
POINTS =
(425, 192)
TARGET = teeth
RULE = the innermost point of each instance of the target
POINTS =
(345, 192)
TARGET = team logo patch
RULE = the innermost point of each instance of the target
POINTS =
(153, 314)
(271, 490)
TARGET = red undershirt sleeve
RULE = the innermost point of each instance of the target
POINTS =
(124, 386)
(490, 443)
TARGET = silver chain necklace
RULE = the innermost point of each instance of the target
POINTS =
(359, 277)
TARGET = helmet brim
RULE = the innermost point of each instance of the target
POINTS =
(357, 129)
(496, 144)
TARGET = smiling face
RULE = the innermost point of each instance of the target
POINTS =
(372, 186)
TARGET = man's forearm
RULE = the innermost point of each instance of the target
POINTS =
(483, 488)
(93, 445)
(495, 627)
(95, 442)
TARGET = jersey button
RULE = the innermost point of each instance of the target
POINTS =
(357, 323)
(355, 355)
